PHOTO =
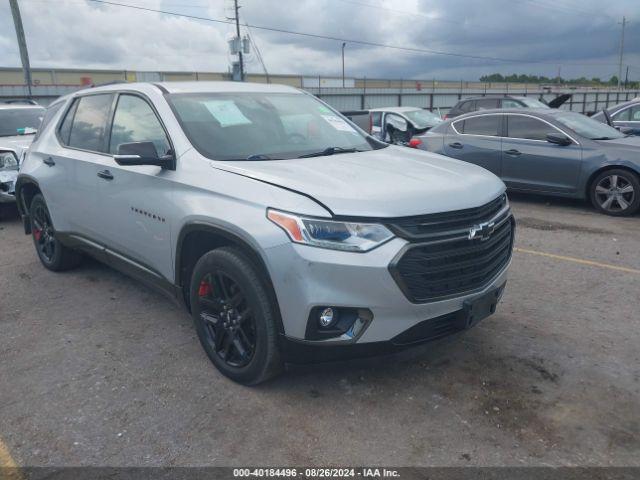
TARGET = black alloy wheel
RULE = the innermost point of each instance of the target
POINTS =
(229, 321)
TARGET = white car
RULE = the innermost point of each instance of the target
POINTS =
(18, 124)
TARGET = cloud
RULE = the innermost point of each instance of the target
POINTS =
(582, 36)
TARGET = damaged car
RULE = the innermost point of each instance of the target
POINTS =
(18, 125)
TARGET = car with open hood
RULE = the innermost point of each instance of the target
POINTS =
(290, 234)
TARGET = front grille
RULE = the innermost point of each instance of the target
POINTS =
(445, 225)
(451, 264)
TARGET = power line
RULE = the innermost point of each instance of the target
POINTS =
(342, 39)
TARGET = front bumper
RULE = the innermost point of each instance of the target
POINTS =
(306, 277)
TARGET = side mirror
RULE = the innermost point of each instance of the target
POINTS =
(625, 130)
(558, 139)
(397, 122)
(142, 153)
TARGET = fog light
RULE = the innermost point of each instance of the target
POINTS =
(326, 317)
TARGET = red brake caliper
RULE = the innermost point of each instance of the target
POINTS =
(204, 289)
(36, 233)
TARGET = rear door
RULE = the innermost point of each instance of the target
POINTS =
(70, 183)
(476, 140)
(135, 201)
(529, 162)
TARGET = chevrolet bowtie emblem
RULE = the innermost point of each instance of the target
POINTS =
(482, 231)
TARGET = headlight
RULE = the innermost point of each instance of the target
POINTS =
(8, 161)
(351, 237)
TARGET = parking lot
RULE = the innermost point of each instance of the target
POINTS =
(97, 369)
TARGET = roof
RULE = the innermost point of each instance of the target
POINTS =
(19, 106)
(395, 109)
(536, 112)
(203, 87)
(495, 95)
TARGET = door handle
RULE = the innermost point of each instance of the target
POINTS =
(513, 152)
(49, 161)
(456, 145)
(106, 174)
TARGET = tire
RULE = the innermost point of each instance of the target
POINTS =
(52, 253)
(234, 316)
(616, 192)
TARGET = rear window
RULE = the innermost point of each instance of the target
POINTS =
(85, 124)
(15, 120)
(482, 125)
(49, 114)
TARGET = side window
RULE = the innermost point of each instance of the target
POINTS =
(482, 125)
(519, 126)
(508, 103)
(635, 114)
(376, 119)
(486, 103)
(135, 121)
(466, 106)
(65, 128)
(623, 115)
(48, 115)
(89, 122)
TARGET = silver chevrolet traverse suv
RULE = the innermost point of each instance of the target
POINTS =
(290, 234)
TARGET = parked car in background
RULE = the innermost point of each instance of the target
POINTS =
(547, 151)
(474, 104)
(396, 125)
(289, 233)
(19, 122)
(625, 115)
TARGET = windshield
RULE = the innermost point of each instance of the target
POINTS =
(423, 118)
(14, 120)
(533, 103)
(588, 127)
(265, 126)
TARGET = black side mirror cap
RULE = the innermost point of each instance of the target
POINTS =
(143, 153)
(558, 139)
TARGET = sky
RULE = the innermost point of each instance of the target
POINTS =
(579, 37)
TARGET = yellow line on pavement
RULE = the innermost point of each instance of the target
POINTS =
(580, 261)
(8, 467)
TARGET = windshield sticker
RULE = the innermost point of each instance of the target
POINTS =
(226, 112)
(324, 109)
(338, 123)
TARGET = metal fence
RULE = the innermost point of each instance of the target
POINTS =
(347, 94)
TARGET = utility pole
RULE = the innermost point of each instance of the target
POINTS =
(22, 43)
(237, 15)
(624, 23)
(343, 45)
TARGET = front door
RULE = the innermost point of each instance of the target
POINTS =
(529, 162)
(135, 200)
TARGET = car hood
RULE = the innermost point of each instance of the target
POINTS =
(389, 182)
(17, 143)
(630, 142)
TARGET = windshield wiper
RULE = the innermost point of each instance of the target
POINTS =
(603, 138)
(330, 151)
(260, 156)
